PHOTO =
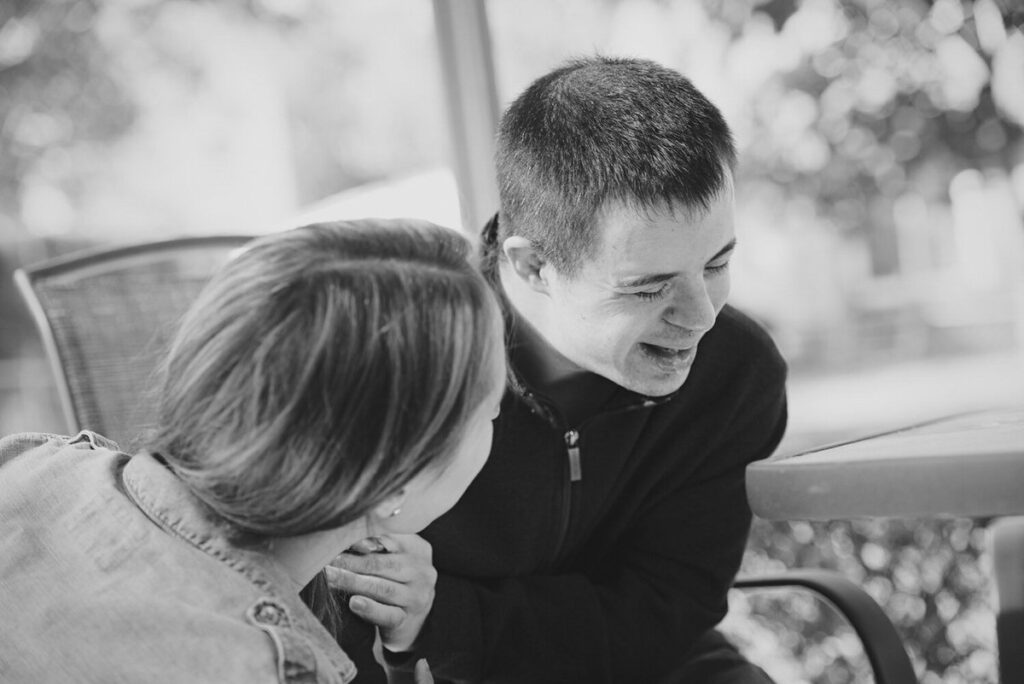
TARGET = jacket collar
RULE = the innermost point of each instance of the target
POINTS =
(165, 499)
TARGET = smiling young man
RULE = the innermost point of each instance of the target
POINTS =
(601, 537)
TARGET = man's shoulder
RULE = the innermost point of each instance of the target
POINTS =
(741, 343)
(740, 328)
(738, 387)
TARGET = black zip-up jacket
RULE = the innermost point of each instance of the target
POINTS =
(599, 552)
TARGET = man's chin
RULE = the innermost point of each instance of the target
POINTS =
(655, 387)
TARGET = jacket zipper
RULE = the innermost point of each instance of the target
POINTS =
(571, 437)
(572, 445)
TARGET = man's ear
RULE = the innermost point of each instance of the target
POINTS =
(526, 262)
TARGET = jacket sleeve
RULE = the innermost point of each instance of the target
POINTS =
(629, 618)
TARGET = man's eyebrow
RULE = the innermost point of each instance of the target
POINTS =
(729, 246)
(644, 280)
(657, 278)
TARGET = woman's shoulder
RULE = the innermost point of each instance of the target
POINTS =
(12, 446)
(44, 476)
(151, 617)
(118, 628)
(35, 447)
(137, 602)
(149, 639)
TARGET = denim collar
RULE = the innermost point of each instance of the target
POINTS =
(165, 499)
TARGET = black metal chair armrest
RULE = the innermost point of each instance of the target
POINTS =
(882, 643)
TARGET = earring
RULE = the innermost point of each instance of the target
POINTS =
(395, 512)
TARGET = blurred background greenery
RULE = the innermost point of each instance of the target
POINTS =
(880, 199)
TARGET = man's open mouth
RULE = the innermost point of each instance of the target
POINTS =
(667, 354)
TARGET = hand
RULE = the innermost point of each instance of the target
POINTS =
(422, 673)
(392, 589)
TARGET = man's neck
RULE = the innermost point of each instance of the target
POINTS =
(537, 361)
(577, 392)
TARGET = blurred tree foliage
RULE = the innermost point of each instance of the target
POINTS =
(62, 92)
(79, 80)
(890, 98)
(58, 90)
(136, 120)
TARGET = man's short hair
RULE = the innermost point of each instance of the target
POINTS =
(601, 130)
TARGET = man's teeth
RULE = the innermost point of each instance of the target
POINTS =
(665, 350)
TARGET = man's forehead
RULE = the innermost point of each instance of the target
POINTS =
(657, 243)
(648, 210)
(634, 212)
(621, 227)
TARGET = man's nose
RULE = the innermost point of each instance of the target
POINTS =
(691, 308)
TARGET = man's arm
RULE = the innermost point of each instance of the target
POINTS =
(630, 622)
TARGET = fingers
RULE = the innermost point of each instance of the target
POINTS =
(412, 544)
(394, 591)
(376, 588)
(422, 672)
(393, 566)
(413, 597)
(384, 616)
(368, 545)
(393, 543)
(335, 578)
(346, 582)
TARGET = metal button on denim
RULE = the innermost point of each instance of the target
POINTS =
(268, 612)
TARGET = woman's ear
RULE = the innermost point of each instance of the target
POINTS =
(391, 507)
(527, 263)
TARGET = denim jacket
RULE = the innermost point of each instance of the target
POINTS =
(112, 571)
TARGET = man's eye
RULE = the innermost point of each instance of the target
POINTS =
(653, 294)
(718, 268)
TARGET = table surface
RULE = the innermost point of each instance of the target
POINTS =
(969, 465)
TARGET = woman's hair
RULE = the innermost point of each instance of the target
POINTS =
(322, 369)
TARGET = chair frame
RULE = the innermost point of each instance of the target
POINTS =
(26, 277)
(882, 643)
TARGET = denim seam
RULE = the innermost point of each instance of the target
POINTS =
(132, 487)
(199, 541)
